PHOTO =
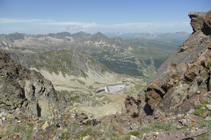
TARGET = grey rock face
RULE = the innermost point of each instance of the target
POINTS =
(25, 90)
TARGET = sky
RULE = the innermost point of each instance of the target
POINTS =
(127, 16)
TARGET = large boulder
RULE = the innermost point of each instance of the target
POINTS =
(26, 93)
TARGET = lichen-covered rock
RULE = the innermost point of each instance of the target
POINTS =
(26, 90)
(184, 78)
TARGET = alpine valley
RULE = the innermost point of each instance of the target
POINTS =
(52, 85)
(134, 57)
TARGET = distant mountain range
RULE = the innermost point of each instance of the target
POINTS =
(135, 57)
(177, 36)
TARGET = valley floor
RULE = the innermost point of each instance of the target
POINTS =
(85, 90)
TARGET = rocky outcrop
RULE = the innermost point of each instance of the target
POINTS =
(201, 21)
(197, 20)
(24, 92)
(179, 93)
(183, 80)
(131, 106)
(208, 19)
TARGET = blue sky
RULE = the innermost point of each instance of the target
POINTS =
(52, 16)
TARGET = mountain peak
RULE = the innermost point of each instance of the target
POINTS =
(99, 37)
(81, 34)
(99, 34)
(15, 36)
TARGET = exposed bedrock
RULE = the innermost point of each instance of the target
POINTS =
(24, 92)
(184, 78)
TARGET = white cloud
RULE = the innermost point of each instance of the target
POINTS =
(136, 27)
(94, 27)
(61, 23)
(73, 27)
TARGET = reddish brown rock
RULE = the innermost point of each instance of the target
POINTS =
(131, 105)
(208, 19)
(183, 76)
(191, 73)
(197, 20)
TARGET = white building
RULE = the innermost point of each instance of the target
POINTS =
(114, 88)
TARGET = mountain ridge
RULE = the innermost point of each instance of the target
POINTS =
(98, 46)
(69, 62)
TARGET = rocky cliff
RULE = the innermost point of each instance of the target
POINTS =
(183, 80)
(24, 92)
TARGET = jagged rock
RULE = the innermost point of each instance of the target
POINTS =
(208, 20)
(26, 90)
(131, 105)
(197, 20)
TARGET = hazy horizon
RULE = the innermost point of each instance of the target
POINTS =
(97, 32)
(52, 16)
